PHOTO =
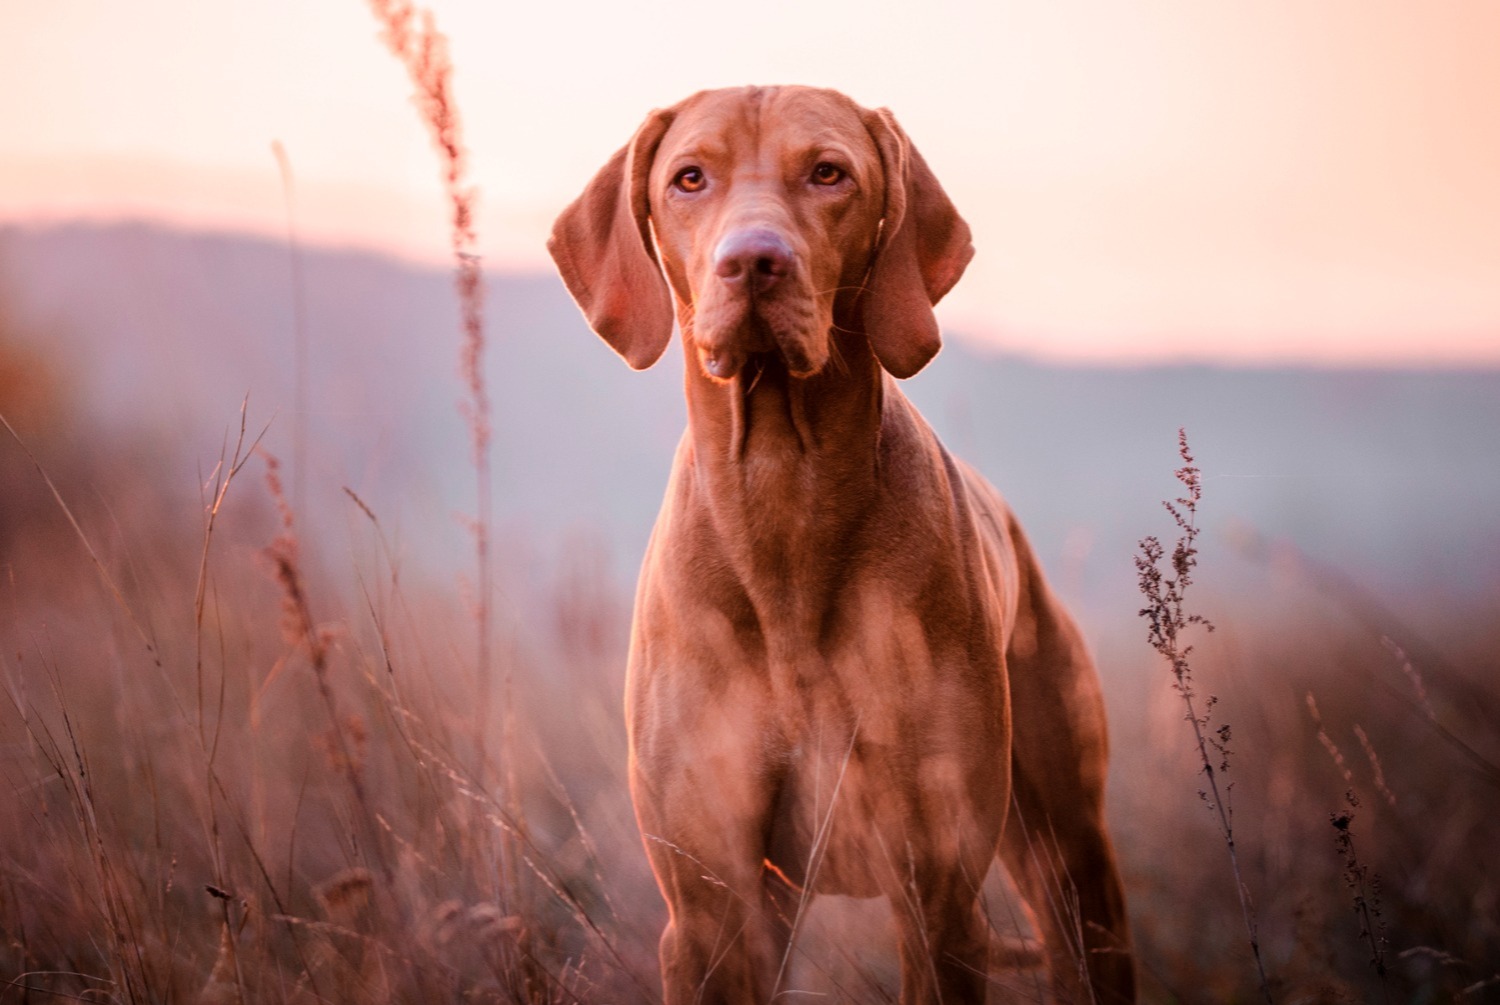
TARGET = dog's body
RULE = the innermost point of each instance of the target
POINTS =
(847, 674)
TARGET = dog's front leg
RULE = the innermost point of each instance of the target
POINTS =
(704, 781)
(722, 944)
(944, 939)
(936, 837)
(724, 940)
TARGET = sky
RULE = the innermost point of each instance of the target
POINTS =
(1311, 181)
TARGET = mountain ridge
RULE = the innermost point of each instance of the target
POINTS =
(1392, 475)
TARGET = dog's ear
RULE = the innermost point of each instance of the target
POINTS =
(924, 248)
(602, 246)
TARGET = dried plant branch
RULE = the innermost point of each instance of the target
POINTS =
(1364, 885)
(1364, 888)
(1168, 619)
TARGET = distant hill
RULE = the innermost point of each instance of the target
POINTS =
(1393, 477)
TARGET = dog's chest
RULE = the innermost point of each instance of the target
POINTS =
(887, 748)
(847, 808)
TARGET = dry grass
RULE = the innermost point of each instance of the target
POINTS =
(235, 774)
(1167, 614)
(238, 770)
(1336, 731)
(231, 777)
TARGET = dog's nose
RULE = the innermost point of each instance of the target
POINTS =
(756, 258)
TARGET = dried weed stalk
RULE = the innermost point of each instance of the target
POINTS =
(1364, 888)
(1165, 591)
(1364, 885)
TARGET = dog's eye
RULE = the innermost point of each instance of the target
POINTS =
(689, 179)
(827, 174)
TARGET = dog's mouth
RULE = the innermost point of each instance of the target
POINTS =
(725, 353)
(760, 370)
(724, 364)
(756, 339)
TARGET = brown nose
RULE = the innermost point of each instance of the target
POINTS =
(756, 258)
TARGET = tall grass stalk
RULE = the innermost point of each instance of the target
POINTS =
(146, 637)
(1364, 885)
(413, 38)
(301, 630)
(217, 485)
(299, 336)
(1387, 623)
(1169, 620)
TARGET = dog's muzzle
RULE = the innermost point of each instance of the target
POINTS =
(752, 261)
(760, 310)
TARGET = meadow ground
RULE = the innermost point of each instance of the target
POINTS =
(242, 765)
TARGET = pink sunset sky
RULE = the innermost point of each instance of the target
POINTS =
(1277, 180)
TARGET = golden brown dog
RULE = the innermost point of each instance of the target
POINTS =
(847, 674)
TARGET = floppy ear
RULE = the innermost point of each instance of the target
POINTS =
(602, 246)
(924, 247)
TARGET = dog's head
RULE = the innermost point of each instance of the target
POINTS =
(775, 214)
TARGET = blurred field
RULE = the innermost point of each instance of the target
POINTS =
(244, 760)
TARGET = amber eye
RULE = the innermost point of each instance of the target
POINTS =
(689, 179)
(827, 174)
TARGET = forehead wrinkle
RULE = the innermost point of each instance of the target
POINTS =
(835, 145)
(708, 146)
(819, 109)
(763, 97)
(758, 130)
(713, 125)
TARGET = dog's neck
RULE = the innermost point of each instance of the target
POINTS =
(786, 468)
(826, 423)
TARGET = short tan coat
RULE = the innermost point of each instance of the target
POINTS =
(847, 673)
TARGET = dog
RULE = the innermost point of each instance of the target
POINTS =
(847, 674)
